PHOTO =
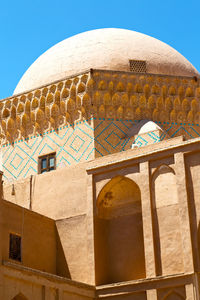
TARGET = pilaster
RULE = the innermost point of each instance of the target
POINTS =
(147, 221)
(90, 230)
(184, 212)
(151, 294)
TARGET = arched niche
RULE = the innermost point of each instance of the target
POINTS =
(167, 229)
(173, 295)
(119, 197)
(165, 184)
(20, 297)
(119, 246)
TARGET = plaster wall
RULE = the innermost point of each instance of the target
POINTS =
(31, 284)
(118, 228)
(76, 248)
(75, 218)
(69, 187)
(165, 215)
(37, 286)
(66, 185)
(38, 237)
(193, 186)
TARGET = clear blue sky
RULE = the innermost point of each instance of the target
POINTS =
(28, 28)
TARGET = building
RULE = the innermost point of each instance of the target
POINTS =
(101, 173)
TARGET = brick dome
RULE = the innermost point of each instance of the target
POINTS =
(108, 49)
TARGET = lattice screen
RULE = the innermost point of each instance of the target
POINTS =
(138, 66)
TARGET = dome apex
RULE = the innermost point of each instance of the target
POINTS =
(108, 49)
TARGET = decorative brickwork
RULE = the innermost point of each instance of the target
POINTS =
(83, 142)
(88, 116)
(72, 145)
(100, 94)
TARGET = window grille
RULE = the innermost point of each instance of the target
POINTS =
(47, 163)
(15, 247)
(138, 66)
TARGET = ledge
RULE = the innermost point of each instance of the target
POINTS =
(49, 276)
(111, 160)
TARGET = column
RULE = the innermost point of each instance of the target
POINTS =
(147, 221)
(60, 294)
(151, 294)
(189, 290)
(90, 230)
(184, 212)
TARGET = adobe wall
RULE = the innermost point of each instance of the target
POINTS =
(163, 199)
(57, 194)
(169, 215)
(38, 237)
(88, 116)
(31, 285)
(169, 203)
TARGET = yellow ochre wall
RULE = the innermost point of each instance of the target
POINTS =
(169, 166)
(89, 115)
(38, 237)
(82, 119)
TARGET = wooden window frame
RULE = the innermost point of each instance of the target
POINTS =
(47, 156)
(10, 252)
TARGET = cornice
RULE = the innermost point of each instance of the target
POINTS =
(100, 94)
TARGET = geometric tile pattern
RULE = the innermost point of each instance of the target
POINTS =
(71, 144)
(110, 136)
(82, 142)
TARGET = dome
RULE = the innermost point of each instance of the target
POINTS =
(107, 49)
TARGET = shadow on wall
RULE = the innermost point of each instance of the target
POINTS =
(62, 268)
(176, 293)
(174, 296)
(119, 243)
(20, 297)
(166, 222)
(193, 186)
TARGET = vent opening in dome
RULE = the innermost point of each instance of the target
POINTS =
(138, 66)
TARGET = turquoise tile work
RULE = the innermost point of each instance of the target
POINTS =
(72, 145)
(82, 142)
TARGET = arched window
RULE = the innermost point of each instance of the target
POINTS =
(119, 246)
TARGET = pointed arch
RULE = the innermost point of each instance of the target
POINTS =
(118, 228)
(163, 168)
(167, 221)
(20, 296)
(120, 196)
(145, 126)
(173, 295)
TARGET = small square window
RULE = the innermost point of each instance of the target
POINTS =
(15, 247)
(47, 163)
